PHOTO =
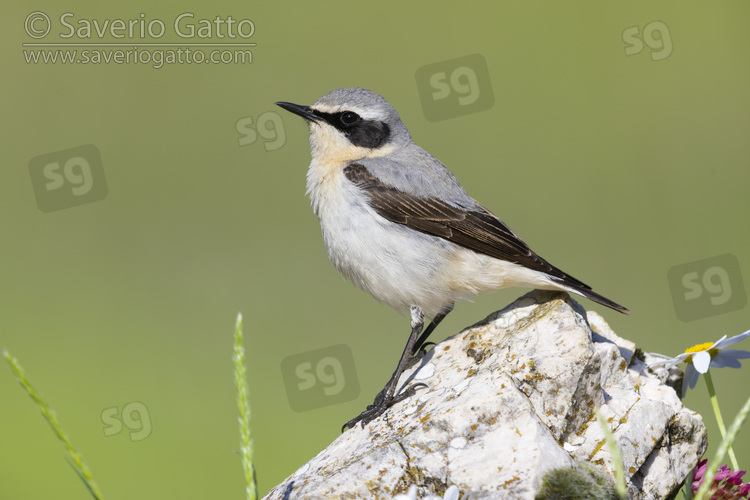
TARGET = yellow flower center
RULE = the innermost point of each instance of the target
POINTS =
(698, 348)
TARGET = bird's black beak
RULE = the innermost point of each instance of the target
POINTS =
(304, 111)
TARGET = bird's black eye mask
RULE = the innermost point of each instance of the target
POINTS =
(360, 132)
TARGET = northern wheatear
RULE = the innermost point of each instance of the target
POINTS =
(399, 225)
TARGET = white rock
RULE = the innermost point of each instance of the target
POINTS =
(425, 372)
(508, 399)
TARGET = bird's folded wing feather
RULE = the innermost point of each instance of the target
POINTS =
(476, 229)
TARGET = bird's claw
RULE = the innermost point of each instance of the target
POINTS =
(419, 355)
(380, 405)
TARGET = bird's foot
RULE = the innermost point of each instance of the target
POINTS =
(380, 405)
(418, 356)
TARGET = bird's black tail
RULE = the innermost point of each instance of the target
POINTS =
(587, 292)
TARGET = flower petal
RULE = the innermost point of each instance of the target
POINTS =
(737, 474)
(664, 361)
(730, 358)
(700, 469)
(701, 361)
(719, 343)
(719, 362)
(732, 340)
(690, 379)
(722, 473)
(735, 353)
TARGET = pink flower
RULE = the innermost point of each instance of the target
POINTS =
(727, 484)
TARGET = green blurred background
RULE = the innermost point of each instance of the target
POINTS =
(614, 167)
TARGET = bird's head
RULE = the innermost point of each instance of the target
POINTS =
(351, 124)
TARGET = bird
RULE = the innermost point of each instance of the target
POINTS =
(399, 225)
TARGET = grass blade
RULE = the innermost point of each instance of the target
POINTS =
(614, 451)
(75, 459)
(243, 406)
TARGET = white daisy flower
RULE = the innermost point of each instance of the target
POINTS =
(701, 357)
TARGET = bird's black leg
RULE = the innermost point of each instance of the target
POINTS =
(418, 346)
(386, 397)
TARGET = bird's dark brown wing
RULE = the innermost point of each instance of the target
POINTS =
(477, 230)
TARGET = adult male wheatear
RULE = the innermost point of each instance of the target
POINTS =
(399, 225)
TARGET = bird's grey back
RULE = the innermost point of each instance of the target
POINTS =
(413, 170)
